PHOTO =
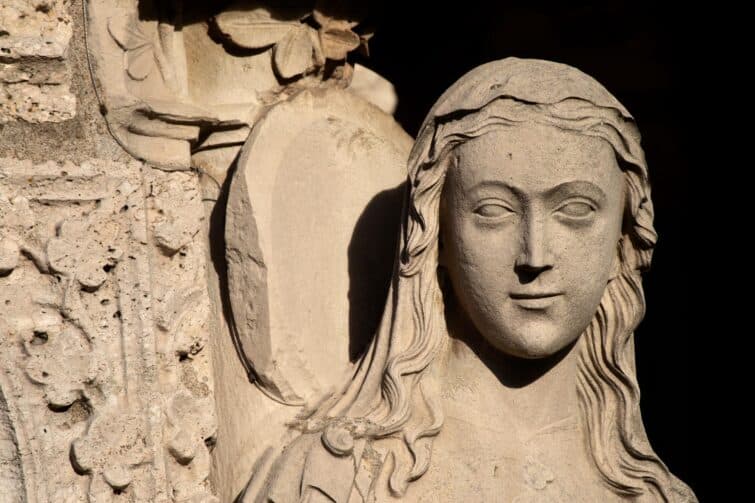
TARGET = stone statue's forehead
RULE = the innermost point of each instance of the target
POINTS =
(535, 157)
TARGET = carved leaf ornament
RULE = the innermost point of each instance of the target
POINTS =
(298, 48)
(139, 49)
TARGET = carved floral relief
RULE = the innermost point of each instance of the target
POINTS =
(103, 330)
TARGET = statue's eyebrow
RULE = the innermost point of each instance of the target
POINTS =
(577, 188)
(498, 184)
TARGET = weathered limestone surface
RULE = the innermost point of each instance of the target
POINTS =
(103, 312)
(44, 134)
(35, 37)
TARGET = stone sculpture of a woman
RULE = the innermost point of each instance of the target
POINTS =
(503, 368)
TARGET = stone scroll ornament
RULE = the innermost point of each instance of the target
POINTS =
(503, 366)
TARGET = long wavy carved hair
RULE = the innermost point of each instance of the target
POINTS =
(395, 391)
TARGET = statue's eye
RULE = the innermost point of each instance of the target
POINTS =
(576, 209)
(493, 210)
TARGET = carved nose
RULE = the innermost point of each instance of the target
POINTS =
(534, 256)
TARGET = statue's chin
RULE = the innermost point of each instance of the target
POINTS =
(533, 344)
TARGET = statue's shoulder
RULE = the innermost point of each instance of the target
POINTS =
(328, 466)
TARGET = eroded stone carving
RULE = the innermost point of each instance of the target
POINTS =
(298, 48)
(12, 477)
(181, 86)
(503, 367)
(103, 331)
(181, 312)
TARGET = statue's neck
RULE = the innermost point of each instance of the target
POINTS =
(528, 395)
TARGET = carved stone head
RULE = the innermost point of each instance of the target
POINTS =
(528, 191)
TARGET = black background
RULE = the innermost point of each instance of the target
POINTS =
(641, 54)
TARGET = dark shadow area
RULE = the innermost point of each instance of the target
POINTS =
(528, 273)
(180, 13)
(371, 253)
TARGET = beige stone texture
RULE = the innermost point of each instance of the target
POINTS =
(106, 383)
(34, 77)
(84, 135)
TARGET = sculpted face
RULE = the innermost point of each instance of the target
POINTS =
(530, 221)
